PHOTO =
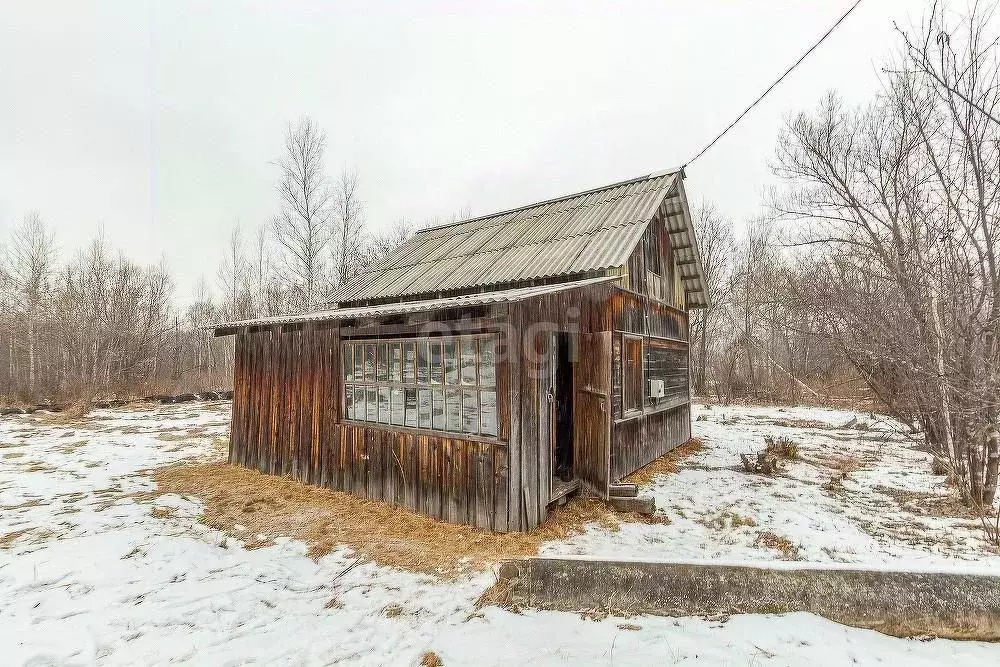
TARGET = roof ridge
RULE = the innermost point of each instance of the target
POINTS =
(650, 176)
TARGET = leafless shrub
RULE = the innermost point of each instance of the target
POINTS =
(760, 463)
(781, 447)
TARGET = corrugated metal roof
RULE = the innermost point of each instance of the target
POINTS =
(482, 298)
(573, 235)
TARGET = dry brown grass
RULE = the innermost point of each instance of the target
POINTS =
(766, 538)
(8, 539)
(841, 463)
(665, 465)
(74, 413)
(268, 506)
(431, 659)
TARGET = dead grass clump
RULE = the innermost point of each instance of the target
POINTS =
(254, 508)
(73, 413)
(835, 484)
(163, 512)
(769, 540)
(7, 539)
(728, 520)
(392, 610)
(431, 659)
(924, 503)
(760, 463)
(781, 447)
(497, 595)
(665, 465)
(842, 463)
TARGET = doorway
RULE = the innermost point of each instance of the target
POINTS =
(562, 389)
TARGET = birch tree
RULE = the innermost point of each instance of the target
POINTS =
(304, 225)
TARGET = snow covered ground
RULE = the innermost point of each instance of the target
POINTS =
(92, 571)
(884, 512)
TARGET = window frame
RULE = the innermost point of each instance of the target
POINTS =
(434, 386)
(640, 406)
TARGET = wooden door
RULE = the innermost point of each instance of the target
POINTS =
(592, 412)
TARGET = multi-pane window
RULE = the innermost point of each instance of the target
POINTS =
(440, 384)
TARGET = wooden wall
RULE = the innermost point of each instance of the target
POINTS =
(656, 314)
(287, 411)
(286, 421)
(637, 441)
(531, 324)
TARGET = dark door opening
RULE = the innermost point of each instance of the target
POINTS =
(563, 399)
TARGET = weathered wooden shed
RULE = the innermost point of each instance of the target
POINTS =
(489, 367)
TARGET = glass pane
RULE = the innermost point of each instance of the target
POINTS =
(488, 412)
(437, 370)
(451, 362)
(408, 362)
(383, 405)
(437, 409)
(359, 403)
(453, 410)
(382, 373)
(359, 363)
(372, 405)
(411, 407)
(370, 362)
(633, 373)
(395, 363)
(397, 407)
(349, 401)
(470, 411)
(348, 362)
(469, 361)
(487, 362)
(424, 408)
(422, 363)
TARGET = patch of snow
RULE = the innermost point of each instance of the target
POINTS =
(90, 574)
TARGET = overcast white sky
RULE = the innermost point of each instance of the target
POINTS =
(161, 121)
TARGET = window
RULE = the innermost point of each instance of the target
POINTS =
(668, 361)
(632, 373)
(441, 384)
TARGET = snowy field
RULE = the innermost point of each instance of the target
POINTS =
(93, 570)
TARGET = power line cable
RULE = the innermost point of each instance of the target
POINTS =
(773, 85)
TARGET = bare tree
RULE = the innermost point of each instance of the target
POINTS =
(717, 245)
(899, 205)
(30, 267)
(303, 227)
(350, 220)
(235, 277)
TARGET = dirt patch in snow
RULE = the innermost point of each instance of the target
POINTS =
(254, 508)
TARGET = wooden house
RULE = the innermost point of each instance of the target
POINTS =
(489, 367)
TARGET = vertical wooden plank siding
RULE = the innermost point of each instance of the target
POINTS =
(652, 312)
(288, 405)
(287, 420)
(531, 323)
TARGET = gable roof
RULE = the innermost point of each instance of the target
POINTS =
(575, 235)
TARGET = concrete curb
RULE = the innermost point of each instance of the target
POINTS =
(944, 604)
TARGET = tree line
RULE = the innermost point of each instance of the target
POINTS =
(97, 323)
